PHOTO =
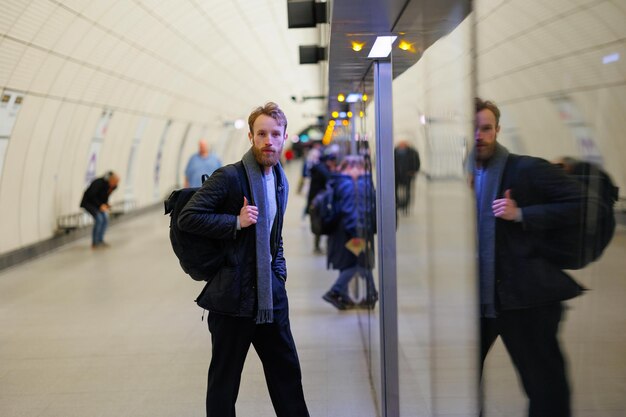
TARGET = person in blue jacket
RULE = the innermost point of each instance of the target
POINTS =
(351, 245)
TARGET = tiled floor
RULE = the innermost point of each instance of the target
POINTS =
(115, 333)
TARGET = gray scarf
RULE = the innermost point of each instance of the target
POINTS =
(486, 193)
(265, 313)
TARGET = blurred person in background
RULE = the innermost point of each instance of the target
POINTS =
(407, 165)
(320, 174)
(351, 245)
(203, 162)
(311, 159)
(96, 202)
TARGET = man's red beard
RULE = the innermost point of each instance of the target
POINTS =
(266, 159)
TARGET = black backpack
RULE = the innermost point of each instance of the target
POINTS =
(199, 256)
(323, 211)
(576, 247)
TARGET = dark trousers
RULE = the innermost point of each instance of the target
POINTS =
(530, 337)
(231, 338)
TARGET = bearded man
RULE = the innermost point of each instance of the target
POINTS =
(243, 206)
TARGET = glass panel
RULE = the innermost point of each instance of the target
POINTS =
(437, 305)
(557, 76)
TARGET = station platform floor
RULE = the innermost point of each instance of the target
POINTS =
(115, 333)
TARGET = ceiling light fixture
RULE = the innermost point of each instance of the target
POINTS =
(341, 98)
(382, 47)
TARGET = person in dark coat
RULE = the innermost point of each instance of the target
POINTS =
(320, 174)
(351, 245)
(406, 166)
(243, 206)
(96, 201)
(520, 199)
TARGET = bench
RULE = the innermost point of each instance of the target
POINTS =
(66, 223)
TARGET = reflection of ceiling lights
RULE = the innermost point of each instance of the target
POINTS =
(341, 98)
(353, 98)
(357, 46)
(382, 47)
(406, 46)
(607, 59)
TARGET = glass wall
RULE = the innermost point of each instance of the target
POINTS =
(435, 268)
(557, 73)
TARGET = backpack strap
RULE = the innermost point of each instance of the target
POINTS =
(242, 179)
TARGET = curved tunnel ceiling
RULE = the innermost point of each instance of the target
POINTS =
(199, 60)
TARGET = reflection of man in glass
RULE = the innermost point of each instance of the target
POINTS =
(519, 198)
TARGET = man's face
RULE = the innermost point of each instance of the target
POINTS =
(267, 141)
(486, 135)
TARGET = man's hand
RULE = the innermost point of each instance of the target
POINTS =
(506, 208)
(104, 208)
(248, 214)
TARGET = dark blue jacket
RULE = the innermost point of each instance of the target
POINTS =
(355, 203)
(549, 200)
(212, 212)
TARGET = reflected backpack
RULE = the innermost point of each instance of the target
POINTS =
(323, 211)
(199, 256)
(576, 246)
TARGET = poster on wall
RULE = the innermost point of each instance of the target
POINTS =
(157, 164)
(582, 133)
(10, 105)
(129, 192)
(96, 145)
(179, 160)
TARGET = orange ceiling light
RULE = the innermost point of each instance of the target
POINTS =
(406, 46)
(357, 46)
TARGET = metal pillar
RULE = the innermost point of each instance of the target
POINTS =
(386, 220)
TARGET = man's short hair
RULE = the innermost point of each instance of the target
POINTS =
(270, 109)
(489, 105)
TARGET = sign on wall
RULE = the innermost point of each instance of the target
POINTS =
(581, 131)
(159, 157)
(132, 156)
(10, 104)
(96, 144)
